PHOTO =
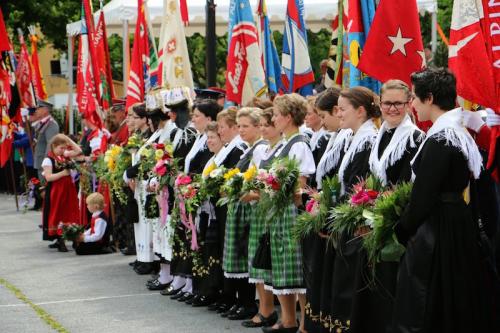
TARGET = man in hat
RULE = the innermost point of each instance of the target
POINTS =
(45, 129)
(118, 118)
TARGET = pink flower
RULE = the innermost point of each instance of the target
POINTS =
(311, 205)
(361, 198)
(160, 168)
(160, 146)
(273, 182)
(183, 180)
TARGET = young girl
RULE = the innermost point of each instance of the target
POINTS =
(61, 201)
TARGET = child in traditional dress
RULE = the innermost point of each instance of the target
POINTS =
(61, 201)
(95, 240)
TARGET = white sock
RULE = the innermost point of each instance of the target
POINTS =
(165, 276)
(178, 282)
(189, 286)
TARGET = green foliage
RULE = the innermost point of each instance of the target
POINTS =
(314, 219)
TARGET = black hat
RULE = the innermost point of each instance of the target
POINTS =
(44, 104)
(209, 94)
(31, 111)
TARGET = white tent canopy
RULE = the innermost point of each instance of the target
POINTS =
(318, 14)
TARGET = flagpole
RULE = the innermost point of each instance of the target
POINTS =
(434, 32)
(13, 182)
(210, 40)
(70, 84)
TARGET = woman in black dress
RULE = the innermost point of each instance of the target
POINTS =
(442, 284)
(390, 160)
(358, 108)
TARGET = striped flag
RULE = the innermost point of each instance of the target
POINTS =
(270, 56)
(143, 73)
(24, 75)
(296, 71)
(333, 74)
(174, 67)
(245, 77)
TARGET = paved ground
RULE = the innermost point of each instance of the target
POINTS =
(83, 294)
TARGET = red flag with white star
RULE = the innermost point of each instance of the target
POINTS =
(394, 48)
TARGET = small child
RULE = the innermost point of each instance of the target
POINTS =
(95, 240)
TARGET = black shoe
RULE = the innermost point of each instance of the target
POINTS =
(230, 311)
(243, 313)
(223, 308)
(128, 252)
(54, 245)
(143, 268)
(214, 306)
(280, 329)
(269, 321)
(152, 280)
(61, 245)
(170, 291)
(186, 297)
(202, 301)
(133, 263)
(178, 295)
(156, 285)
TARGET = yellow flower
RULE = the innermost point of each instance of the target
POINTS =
(231, 173)
(250, 173)
(158, 154)
(169, 148)
(208, 170)
(111, 165)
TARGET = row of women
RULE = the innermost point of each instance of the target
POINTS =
(445, 282)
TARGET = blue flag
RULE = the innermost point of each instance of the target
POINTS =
(272, 64)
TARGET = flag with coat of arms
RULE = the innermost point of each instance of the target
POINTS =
(270, 56)
(245, 77)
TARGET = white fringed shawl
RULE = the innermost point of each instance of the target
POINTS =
(331, 157)
(449, 128)
(367, 133)
(403, 136)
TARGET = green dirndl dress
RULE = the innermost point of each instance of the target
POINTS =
(257, 229)
(286, 256)
(235, 258)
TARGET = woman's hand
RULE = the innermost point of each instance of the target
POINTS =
(250, 196)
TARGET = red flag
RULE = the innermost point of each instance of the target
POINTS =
(184, 12)
(94, 62)
(24, 76)
(101, 46)
(4, 36)
(85, 85)
(6, 137)
(474, 58)
(140, 50)
(393, 49)
(37, 72)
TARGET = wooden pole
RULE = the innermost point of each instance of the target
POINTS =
(13, 181)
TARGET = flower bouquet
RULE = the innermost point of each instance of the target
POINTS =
(166, 166)
(187, 203)
(70, 231)
(231, 189)
(348, 217)
(278, 187)
(211, 181)
(381, 243)
(117, 160)
(135, 141)
(316, 216)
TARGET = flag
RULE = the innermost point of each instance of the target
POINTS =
(86, 91)
(360, 15)
(394, 48)
(174, 67)
(4, 36)
(37, 78)
(24, 75)
(107, 91)
(143, 73)
(269, 54)
(6, 125)
(245, 77)
(473, 56)
(94, 62)
(296, 70)
(333, 75)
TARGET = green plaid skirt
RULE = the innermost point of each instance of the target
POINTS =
(235, 259)
(257, 228)
(286, 254)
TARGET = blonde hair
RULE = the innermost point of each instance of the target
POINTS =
(212, 127)
(58, 140)
(396, 85)
(96, 199)
(293, 105)
(229, 116)
(251, 113)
